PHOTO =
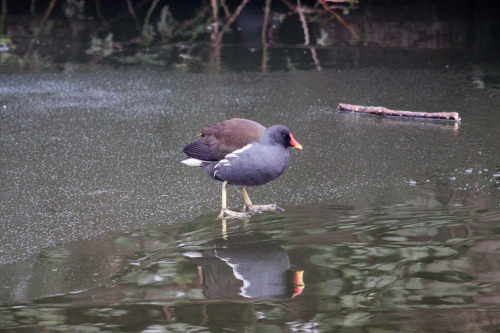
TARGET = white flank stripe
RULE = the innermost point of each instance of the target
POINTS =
(234, 154)
(223, 162)
(239, 151)
(192, 162)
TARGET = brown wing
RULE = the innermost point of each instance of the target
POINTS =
(230, 135)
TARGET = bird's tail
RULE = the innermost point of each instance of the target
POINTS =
(192, 162)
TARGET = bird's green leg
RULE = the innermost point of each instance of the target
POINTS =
(259, 208)
(229, 213)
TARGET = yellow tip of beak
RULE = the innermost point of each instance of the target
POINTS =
(298, 146)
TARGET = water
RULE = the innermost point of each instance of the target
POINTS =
(424, 265)
(393, 223)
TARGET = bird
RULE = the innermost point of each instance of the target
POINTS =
(242, 153)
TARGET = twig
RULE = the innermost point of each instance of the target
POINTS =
(292, 7)
(47, 13)
(132, 12)
(323, 2)
(232, 18)
(263, 36)
(226, 9)
(298, 9)
(304, 23)
(383, 111)
(199, 17)
(267, 10)
(215, 10)
(150, 12)
(314, 55)
(99, 13)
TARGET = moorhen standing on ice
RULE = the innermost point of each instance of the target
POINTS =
(242, 153)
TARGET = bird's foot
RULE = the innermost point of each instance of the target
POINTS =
(235, 215)
(265, 208)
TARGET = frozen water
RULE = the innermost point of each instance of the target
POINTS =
(85, 153)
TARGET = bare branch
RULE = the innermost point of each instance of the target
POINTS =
(383, 111)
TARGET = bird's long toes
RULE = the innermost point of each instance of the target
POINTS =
(265, 208)
(279, 209)
(235, 215)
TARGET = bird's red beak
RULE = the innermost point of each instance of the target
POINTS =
(294, 142)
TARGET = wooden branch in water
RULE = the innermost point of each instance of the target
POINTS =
(383, 111)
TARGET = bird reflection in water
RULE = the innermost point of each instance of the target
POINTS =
(247, 266)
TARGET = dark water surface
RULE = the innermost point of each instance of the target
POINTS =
(393, 224)
(423, 265)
